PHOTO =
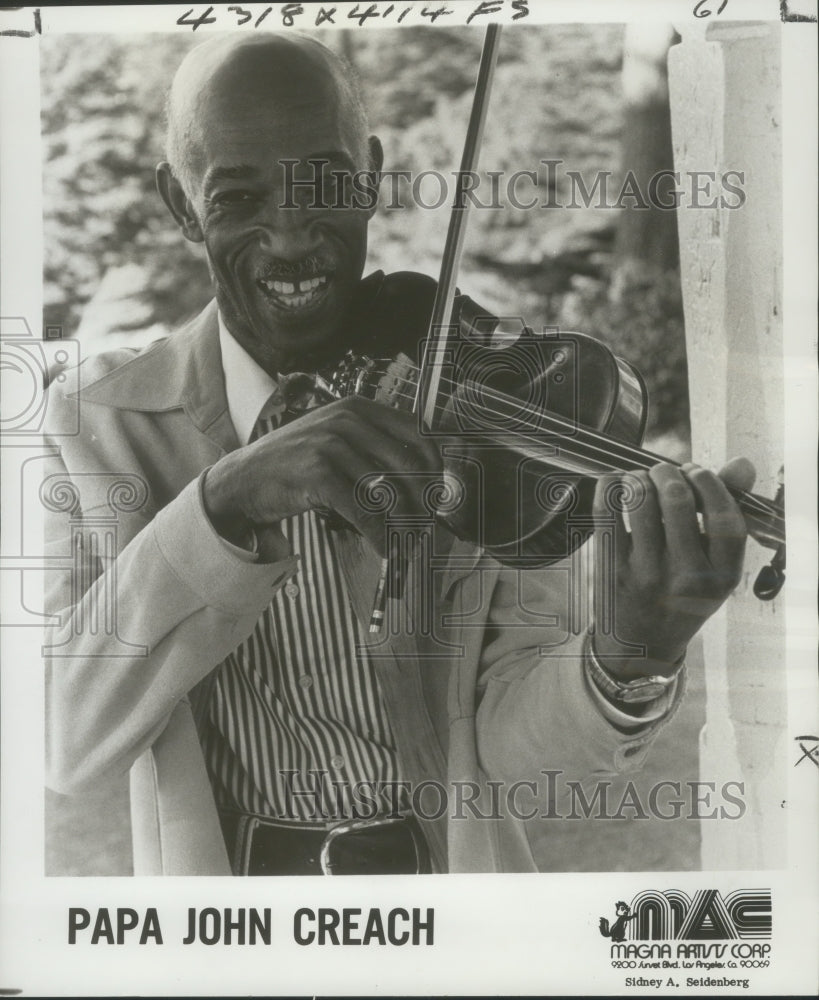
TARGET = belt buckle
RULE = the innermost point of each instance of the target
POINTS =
(353, 826)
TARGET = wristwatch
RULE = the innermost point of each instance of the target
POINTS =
(633, 692)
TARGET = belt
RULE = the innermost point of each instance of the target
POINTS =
(390, 845)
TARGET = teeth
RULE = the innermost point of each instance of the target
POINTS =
(286, 288)
(311, 283)
(306, 289)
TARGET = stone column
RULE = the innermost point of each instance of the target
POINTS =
(725, 94)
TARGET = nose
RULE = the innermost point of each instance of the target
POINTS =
(287, 230)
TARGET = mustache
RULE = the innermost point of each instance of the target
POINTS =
(308, 267)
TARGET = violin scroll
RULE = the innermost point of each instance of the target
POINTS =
(771, 578)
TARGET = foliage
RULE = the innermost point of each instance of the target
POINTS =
(639, 315)
(102, 125)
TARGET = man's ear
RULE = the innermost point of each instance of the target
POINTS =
(376, 154)
(376, 151)
(179, 205)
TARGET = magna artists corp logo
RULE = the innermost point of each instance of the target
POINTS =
(707, 916)
(708, 930)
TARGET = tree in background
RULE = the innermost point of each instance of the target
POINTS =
(103, 133)
(648, 234)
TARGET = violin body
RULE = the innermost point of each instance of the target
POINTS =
(527, 496)
(527, 423)
(512, 486)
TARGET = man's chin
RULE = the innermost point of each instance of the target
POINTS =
(303, 325)
(299, 343)
(303, 357)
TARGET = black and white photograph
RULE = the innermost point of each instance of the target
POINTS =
(407, 413)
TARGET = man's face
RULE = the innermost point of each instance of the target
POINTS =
(283, 275)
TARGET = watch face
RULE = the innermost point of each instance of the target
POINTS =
(642, 691)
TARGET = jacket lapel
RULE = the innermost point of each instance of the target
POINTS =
(182, 372)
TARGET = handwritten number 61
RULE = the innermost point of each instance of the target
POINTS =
(701, 11)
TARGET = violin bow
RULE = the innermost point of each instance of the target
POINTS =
(390, 581)
(438, 339)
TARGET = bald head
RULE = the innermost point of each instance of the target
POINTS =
(226, 75)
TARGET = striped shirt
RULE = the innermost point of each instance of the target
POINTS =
(296, 726)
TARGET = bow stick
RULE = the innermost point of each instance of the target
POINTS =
(438, 338)
(437, 344)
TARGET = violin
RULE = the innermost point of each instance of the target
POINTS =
(528, 423)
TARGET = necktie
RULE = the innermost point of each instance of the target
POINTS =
(293, 396)
(298, 392)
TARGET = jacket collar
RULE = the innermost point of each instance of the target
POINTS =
(182, 372)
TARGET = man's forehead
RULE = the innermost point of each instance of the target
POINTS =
(249, 139)
(228, 73)
(246, 93)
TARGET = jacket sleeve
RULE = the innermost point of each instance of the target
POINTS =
(135, 626)
(538, 710)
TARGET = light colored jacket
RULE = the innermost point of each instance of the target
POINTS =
(151, 601)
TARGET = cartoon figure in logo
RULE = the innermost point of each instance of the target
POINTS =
(617, 932)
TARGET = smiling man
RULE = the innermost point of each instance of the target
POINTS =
(284, 272)
(235, 603)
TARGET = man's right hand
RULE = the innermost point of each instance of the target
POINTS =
(316, 462)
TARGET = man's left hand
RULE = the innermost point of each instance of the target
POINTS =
(672, 570)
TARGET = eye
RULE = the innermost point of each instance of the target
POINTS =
(334, 183)
(319, 185)
(232, 197)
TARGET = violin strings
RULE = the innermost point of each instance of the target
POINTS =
(640, 459)
(585, 436)
(752, 504)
